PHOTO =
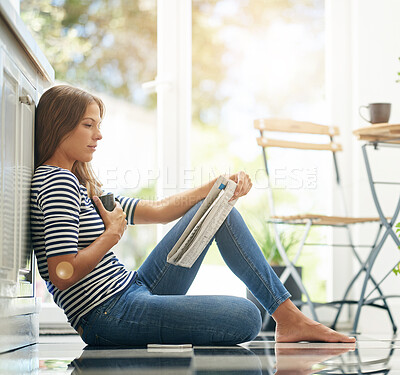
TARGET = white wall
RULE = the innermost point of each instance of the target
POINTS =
(338, 87)
(363, 63)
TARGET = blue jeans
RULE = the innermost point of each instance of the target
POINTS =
(154, 308)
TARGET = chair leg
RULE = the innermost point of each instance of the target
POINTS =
(363, 268)
(333, 326)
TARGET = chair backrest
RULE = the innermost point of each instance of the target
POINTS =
(272, 134)
(291, 126)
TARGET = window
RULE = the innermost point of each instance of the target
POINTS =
(246, 59)
(255, 59)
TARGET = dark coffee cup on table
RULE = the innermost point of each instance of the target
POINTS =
(378, 112)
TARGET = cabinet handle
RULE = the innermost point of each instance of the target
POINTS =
(27, 274)
(26, 99)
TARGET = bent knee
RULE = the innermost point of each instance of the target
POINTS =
(247, 321)
(253, 321)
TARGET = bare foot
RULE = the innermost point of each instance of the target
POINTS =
(293, 326)
(308, 330)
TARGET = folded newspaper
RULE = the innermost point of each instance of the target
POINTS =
(204, 224)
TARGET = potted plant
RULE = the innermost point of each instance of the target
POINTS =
(265, 237)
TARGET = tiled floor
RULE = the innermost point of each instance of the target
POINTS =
(68, 355)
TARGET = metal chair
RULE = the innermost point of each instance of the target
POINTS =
(282, 133)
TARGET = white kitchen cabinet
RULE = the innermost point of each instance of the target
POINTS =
(24, 73)
(17, 134)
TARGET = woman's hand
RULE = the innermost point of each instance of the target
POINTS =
(243, 182)
(114, 221)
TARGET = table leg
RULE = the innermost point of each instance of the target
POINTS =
(374, 253)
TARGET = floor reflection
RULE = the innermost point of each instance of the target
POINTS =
(205, 360)
(63, 355)
(280, 359)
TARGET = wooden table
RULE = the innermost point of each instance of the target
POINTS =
(388, 133)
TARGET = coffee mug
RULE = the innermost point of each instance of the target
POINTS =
(378, 112)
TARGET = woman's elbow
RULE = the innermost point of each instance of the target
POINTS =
(62, 272)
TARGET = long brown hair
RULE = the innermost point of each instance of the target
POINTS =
(59, 111)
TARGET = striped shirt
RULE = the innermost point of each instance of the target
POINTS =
(64, 221)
